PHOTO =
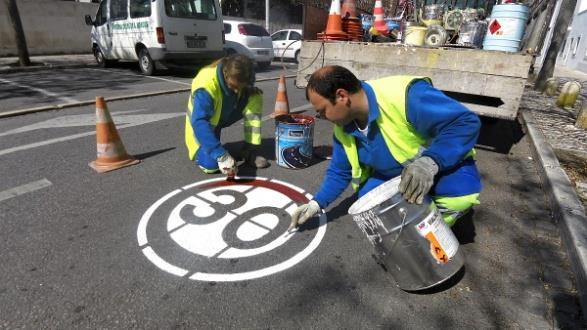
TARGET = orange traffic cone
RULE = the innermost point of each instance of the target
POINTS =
(351, 24)
(379, 23)
(349, 9)
(334, 25)
(281, 101)
(111, 152)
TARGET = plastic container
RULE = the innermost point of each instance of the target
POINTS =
(506, 27)
(415, 35)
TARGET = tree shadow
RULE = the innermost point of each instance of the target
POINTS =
(499, 135)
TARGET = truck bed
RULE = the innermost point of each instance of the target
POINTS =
(488, 82)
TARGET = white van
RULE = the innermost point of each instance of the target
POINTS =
(150, 31)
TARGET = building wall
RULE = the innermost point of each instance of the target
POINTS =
(50, 27)
(574, 54)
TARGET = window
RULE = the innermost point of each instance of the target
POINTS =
(118, 9)
(576, 46)
(254, 30)
(140, 8)
(101, 17)
(293, 35)
(198, 9)
(227, 28)
(281, 35)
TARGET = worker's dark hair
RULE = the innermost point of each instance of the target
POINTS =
(328, 79)
(239, 67)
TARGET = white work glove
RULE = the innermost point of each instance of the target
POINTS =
(227, 164)
(417, 179)
(303, 213)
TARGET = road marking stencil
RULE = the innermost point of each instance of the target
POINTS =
(219, 230)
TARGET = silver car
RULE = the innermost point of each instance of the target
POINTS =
(249, 39)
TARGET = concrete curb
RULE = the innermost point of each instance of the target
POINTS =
(114, 98)
(568, 210)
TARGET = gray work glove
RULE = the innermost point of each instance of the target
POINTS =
(417, 179)
(303, 213)
(227, 164)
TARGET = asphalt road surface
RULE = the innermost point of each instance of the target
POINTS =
(162, 245)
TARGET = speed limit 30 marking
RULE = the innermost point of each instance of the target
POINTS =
(219, 230)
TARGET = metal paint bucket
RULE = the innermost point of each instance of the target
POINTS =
(471, 33)
(294, 139)
(412, 241)
(506, 27)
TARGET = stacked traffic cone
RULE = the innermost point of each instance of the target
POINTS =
(334, 25)
(111, 152)
(351, 24)
(281, 101)
(379, 23)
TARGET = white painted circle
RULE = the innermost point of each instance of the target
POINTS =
(189, 229)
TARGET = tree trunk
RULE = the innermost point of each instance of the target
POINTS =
(558, 35)
(23, 53)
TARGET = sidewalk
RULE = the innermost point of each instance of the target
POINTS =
(10, 64)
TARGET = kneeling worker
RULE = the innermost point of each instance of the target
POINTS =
(398, 125)
(222, 94)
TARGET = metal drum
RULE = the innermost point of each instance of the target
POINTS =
(412, 241)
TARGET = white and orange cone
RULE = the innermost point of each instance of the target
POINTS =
(334, 25)
(379, 23)
(111, 152)
(281, 100)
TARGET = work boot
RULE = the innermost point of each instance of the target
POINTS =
(252, 158)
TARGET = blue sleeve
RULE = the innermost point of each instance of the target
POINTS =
(204, 131)
(451, 128)
(338, 177)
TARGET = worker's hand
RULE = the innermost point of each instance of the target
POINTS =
(303, 213)
(417, 179)
(227, 164)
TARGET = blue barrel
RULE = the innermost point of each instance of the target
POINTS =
(294, 140)
(506, 27)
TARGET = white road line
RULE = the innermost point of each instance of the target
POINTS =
(25, 188)
(151, 77)
(300, 108)
(79, 135)
(42, 91)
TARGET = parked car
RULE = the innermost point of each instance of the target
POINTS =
(248, 39)
(287, 43)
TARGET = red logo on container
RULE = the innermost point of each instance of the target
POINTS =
(494, 26)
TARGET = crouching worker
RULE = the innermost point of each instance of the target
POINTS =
(398, 125)
(222, 94)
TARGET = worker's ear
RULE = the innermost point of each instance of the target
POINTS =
(342, 94)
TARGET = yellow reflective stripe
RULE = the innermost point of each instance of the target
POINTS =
(459, 203)
(253, 117)
(350, 148)
(452, 208)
